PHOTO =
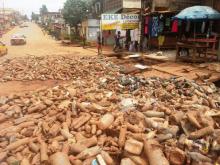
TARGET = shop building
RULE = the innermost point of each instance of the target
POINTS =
(160, 30)
(8, 18)
(90, 26)
(121, 7)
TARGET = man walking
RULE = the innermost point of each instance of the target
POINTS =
(99, 44)
(117, 41)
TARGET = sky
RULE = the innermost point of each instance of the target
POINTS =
(29, 6)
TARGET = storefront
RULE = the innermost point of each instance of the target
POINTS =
(160, 30)
(90, 29)
(127, 24)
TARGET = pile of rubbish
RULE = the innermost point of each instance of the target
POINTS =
(107, 118)
(49, 68)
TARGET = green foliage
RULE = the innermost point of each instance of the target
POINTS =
(43, 10)
(75, 11)
(66, 36)
(34, 17)
(74, 37)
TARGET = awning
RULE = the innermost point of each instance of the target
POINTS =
(133, 12)
(199, 13)
(113, 11)
(160, 12)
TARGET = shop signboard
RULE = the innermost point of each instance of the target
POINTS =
(119, 21)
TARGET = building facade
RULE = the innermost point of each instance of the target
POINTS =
(111, 5)
(8, 18)
(49, 18)
(216, 5)
(53, 22)
(213, 3)
(114, 6)
(90, 29)
(90, 26)
(96, 9)
(171, 5)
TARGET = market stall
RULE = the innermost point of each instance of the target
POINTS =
(160, 30)
(198, 35)
(127, 24)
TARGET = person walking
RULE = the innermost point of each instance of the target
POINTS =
(117, 41)
(84, 40)
(99, 44)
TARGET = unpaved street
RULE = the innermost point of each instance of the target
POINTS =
(57, 105)
(39, 44)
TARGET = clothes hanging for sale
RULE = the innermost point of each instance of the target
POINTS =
(136, 34)
(161, 27)
(161, 40)
(147, 19)
(132, 35)
(175, 26)
(203, 27)
(167, 22)
(154, 27)
(188, 24)
(146, 27)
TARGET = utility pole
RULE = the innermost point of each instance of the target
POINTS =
(3, 8)
(3, 12)
(142, 26)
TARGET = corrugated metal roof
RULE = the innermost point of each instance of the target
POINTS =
(114, 11)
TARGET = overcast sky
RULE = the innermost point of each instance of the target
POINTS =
(27, 6)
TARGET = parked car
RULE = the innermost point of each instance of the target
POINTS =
(3, 49)
(18, 39)
(23, 25)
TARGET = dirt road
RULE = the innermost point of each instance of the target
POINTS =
(39, 44)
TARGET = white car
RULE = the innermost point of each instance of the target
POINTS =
(23, 25)
(18, 39)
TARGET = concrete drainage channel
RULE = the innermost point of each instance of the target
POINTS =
(217, 83)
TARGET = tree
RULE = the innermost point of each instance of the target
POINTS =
(43, 10)
(34, 16)
(25, 17)
(75, 11)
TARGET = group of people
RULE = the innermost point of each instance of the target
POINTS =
(117, 46)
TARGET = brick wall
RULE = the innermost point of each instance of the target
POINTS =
(110, 5)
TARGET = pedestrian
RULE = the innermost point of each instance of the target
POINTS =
(136, 46)
(84, 41)
(117, 41)
(99, 44)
